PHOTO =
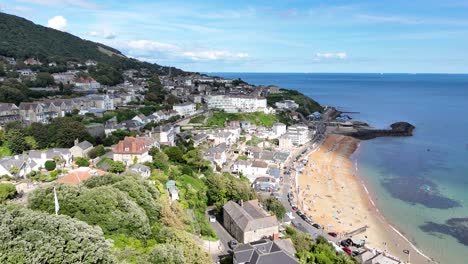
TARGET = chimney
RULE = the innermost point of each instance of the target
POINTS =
(76, 142)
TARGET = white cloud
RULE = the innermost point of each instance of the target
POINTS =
(214, 55)
(330, 56)
(146, 48)
(103, 34)
(58, 23)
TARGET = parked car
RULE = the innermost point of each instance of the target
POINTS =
(317, 226)
(343, 243)
(294, 207)
(232, 244)
(212, 218)
(347, 250)
(355, 253)
(332, 234)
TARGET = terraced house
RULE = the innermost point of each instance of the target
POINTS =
(8, 113)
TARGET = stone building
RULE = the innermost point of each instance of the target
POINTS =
(249, 222)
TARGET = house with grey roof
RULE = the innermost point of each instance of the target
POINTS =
(216, 155)
(262, 252)
(80, 150)
(22, 163)
(8, 113)
(249, 222)
(140, 169)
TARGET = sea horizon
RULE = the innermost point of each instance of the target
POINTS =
(391, 168)
(376, 73)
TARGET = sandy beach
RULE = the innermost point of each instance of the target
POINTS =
(333, 194)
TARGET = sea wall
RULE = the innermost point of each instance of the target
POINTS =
(399, 129)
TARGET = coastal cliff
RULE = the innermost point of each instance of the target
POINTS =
(399, 129)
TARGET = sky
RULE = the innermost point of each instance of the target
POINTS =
(397, 36)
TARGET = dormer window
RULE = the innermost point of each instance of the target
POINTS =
(127, 149)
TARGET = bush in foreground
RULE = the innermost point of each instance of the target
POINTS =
(34, 237)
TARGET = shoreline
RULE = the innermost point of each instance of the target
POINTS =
(390, 225)
(343, 208)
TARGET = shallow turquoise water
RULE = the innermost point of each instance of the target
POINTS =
(426, 172)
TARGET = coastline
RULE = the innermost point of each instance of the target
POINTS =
(336, 197)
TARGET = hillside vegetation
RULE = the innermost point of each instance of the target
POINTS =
(21, 39)
(306, 105)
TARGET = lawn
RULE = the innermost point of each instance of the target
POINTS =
(254, 141)
(258, 118)
(198, 119)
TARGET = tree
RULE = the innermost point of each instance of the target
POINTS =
(175, 154)
(31, 141)
(50, 165)
(40, 133)
(117, 167)
(82, 162)
(276, 207)
(166, 253)
(43, 79)
(160, 161)
(108, 207)
(196, 159)
(43, 238)
(7, 192)
(64, 130)
(16, 141)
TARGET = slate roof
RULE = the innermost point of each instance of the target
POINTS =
(262, 252)
(259, 164)
(247, 217)
(85, 145)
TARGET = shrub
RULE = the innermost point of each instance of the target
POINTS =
(82, 162)
(44, 238)
(50, 165)
(7, 192)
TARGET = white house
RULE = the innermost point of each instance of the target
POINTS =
(299, 134)
(287, 105)
(165, 135)
(251, 170)
(185, 109)
(279, 129)
(237, 103)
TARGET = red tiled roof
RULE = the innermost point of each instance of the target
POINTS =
(131, 145)
(79, 175)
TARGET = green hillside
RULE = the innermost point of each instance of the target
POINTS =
(21, 39)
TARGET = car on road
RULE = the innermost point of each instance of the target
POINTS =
(232, 244)
(332, 234)
(347, 250)
(212, 218)
(317, 226)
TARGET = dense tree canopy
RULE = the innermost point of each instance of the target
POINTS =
(110, 208)
(35, 237)
(222, 188)
(7, 191)
(274, 205)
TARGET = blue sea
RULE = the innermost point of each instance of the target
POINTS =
(420, 183)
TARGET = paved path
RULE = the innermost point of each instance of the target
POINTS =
(222, 233)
